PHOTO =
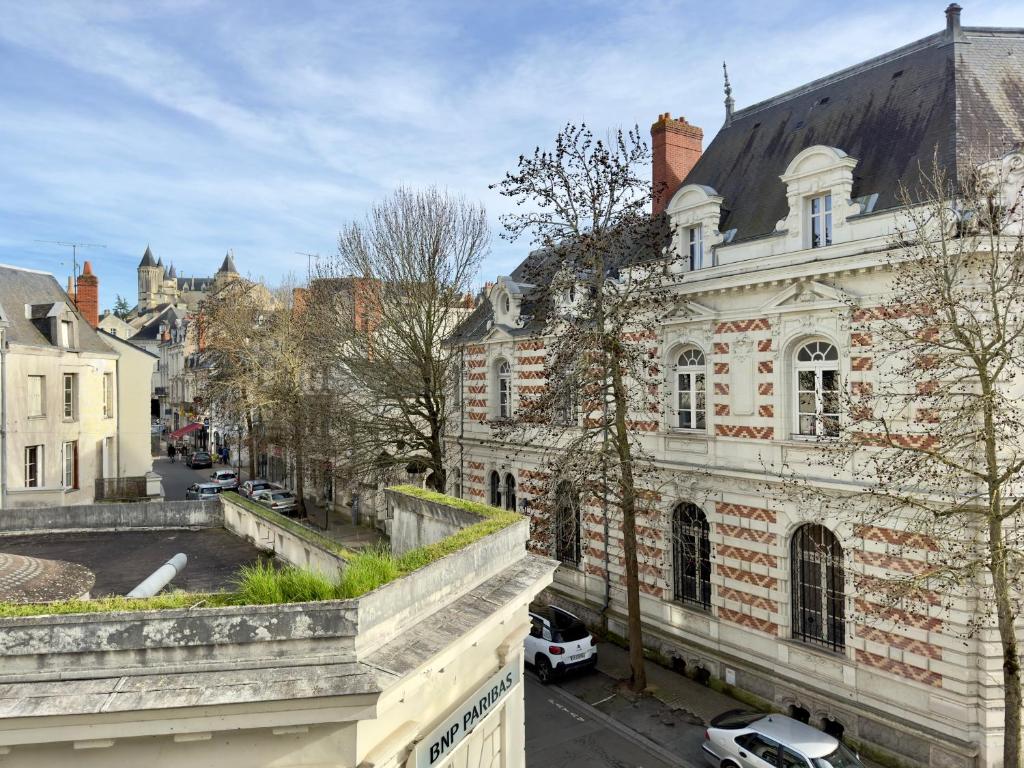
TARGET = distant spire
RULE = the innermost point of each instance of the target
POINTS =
(171, 272)
(729, 103)
(229, 264)
(160, 262)
(147, 259)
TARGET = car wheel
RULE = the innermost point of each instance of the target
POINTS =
(729, 764)
(544, 671)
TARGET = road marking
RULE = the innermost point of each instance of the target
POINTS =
(569, 712)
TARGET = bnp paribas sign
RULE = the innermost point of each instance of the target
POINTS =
(441, 742)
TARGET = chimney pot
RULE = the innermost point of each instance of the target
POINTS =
(953, 31)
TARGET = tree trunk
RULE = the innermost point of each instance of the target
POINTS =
(627, 502)
(1008, 639)
(252, 446)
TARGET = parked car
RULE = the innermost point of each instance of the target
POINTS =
(199, 460)
(278, 500)
(225, 478)
(740, 739)
(251, 487)
(202, 491)
(558, 642)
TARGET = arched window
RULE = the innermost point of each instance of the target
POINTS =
(504, 390)
(567, 524)
(495, 497)
(691, 375)
(510, 492)
(817, 389)
(818, 587)
(691, 550)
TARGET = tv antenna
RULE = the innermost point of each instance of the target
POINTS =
(74, 254)
(309, 260)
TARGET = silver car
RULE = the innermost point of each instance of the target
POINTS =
(225, 478)
(202, 491)
(277, 500)
(738, 739)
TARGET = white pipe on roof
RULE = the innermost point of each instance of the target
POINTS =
(161, 577)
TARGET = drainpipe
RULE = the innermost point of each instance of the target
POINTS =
(3, 418)
(462, 419)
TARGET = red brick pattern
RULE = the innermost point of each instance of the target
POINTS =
(748, 534)
(904, 643)
(765, 366)
(721, 348)
(743, 326)
(766, 411)
(861, 339)
(892, 536)
(759, 433)
(755, 601)
(765, 388)
(746, 555)
(899, 668)
(721, 368)
(742, 510)
(890, 563)
(748, 577)
(721, 409)
(764, 345)
(898, 615)
(861, 363)
(861, 387)
(475, 349)
(721, 388)
(910, 442)
(529, 346)
(530, 360)
(743, 619)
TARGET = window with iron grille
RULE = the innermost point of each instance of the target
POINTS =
(691, 550)
(567, 524)
(817, 389)
(818, 587)
(510, 492)
(495, 497)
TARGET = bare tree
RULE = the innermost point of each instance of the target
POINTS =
(930, 432)
(381, 310)
(599, 292)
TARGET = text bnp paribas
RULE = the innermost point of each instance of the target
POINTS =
(433, 750)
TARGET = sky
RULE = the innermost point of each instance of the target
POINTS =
(197, 126)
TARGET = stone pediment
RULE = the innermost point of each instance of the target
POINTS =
(497, 332)
(686, 311)
(804, 294)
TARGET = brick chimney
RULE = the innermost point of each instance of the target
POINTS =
(87, 295)
(676, 148)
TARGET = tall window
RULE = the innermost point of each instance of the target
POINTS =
(67, 334)
(690, 389)
(817, 389)
(108, 395)
(504, 390)
(36, 395)
(70, 395)
(818, 587)
(568, 405)
(70, 475)
(567, 524)
(695, 242)
(691, 549)
(495, 497)
(510, 492)
(34, 466)
(821, 220)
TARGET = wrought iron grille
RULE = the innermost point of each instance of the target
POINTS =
(818, 587)
(691, 549)
(567, 525)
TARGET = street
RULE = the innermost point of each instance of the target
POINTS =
(562, 733)
(177, 477)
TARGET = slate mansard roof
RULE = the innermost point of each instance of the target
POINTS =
(945, 96)
(957, 94)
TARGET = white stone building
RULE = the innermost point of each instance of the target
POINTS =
(788, 210)
(63, 421)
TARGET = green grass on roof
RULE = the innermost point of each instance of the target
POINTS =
(263, 584)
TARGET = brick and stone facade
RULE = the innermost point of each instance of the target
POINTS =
(912, 681)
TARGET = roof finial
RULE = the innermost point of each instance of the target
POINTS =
(729, 103)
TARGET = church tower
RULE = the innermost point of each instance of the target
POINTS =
(151, 275)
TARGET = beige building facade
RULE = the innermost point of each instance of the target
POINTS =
(63, 426)
(786, 216)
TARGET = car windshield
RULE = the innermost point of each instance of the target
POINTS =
(841, 758)
(281, 496)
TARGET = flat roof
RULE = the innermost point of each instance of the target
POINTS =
(122, 559)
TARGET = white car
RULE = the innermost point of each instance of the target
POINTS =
(558, 642)
(739, 739)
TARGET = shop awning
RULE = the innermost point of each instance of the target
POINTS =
(180, 433)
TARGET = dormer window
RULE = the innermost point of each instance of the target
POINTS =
(821, 220)
(506, 304)
(695, 239)
(67, 334)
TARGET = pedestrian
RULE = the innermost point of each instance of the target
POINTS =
(171, 452)
(224, 454)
